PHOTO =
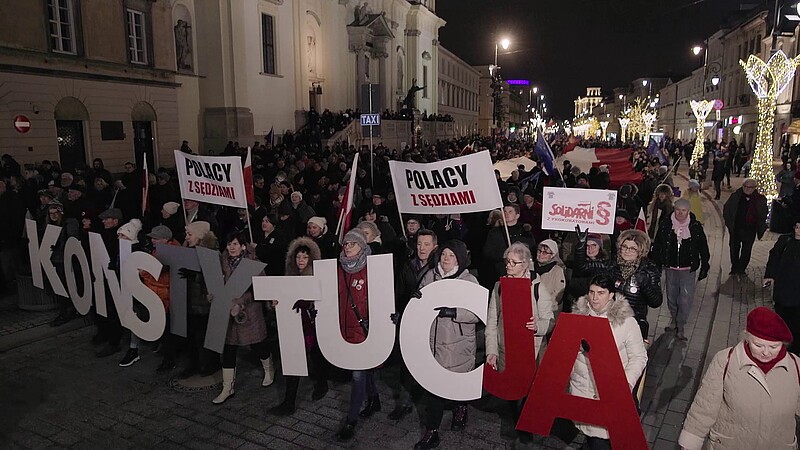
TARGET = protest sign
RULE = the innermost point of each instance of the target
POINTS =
(211, 179)
(457, 185)
(592, 209)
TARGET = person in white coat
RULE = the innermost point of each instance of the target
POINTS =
(604, 301)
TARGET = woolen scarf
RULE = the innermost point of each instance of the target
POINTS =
(352, 264)
(765, 366)
(233, 261)
(627, 268)
(681, 229)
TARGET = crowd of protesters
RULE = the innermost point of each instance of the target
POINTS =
(299, 189)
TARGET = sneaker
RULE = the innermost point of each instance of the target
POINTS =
(130, 357)
(108, 350)
(429, 440)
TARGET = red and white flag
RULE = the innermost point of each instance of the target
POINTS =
(247, 177)
(641, 222)
(145, 187)
(346, 215)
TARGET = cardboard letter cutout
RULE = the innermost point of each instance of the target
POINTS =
(224, 293)
(102, 272)
(548, 399)
(40, 256)
(380, 294)
(287, 290)
(81, 301)
(515, 380)
(415, 338)
(177, 258)
(132, 284)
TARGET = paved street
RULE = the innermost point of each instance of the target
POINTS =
(55, 393)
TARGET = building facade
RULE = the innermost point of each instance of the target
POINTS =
(459, 89)
(85, 79)
(585, 105)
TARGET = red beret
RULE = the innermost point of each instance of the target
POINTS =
(764, 323)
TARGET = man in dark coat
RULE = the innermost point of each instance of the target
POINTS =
(745, 215)
(496, 244)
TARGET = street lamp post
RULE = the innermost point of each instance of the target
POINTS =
(494, 73)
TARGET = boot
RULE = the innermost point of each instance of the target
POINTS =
(320, 389)
(459, 418)
(679, 334)
(228, 377)
(347, 431)
(373, 406)
(269, 371)
(429, 440)
(672, 326)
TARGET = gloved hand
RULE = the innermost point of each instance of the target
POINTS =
(584, 346)
(416, 294)
(446, 312)
(302, 304)
(703, 273)
(582, 235)
(395, 316)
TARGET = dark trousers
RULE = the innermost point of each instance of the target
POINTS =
(434, 410)
(109, 327)
(717, 188)
(199, 356)
(791, 315)
(320, 367)
(741, 247)
(261, 349)
(593, 443)
(363, 385)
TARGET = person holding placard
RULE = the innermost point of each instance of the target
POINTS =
(497, 243)
(300, 258)
(606, 301)
(453, 341)
(247, 325)
(354, 321)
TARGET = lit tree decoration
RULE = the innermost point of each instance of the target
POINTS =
(604, 125)
(623, 123)
(767, 80)
(593, 126)
(701, 110)
(648, 118)
(636, 114)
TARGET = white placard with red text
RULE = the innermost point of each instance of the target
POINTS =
(458, 185)
(563, 208)
(211, 179)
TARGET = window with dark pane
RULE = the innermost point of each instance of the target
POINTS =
(268, 43)
(61, 26)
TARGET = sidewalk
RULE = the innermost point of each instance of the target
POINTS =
(717, 318)
(19, 327)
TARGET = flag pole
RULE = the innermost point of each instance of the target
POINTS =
(249, 225)
(505, 225)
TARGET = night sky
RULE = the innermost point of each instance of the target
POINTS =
(564, 46)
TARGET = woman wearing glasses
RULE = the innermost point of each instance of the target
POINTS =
(638, 278)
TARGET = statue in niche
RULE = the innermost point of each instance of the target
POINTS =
(361, 14)
(400, 74)
(183, 45)
(357, 15)
(410, 101)
(311, 54)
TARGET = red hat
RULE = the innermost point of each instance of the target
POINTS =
(764, 323)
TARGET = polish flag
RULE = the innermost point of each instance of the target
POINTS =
(618, 161)
(346, 214)
(248, 180)
(641, 221)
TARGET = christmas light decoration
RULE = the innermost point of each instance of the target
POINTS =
(623, 123)
(648, 118)
(701, 110)
(767, 80)
(604, 125)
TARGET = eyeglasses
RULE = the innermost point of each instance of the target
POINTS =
(350, 244)
(749, 186)
(512, 263)
(544, 251)
(628, 248)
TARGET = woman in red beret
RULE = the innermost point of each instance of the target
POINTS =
(750, 395)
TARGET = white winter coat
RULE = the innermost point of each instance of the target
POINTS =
(747, 409)
(630, 345)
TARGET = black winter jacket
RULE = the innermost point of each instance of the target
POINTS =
(693, 253)
(783, 266)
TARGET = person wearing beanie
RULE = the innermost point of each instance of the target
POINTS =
(354, 320)
(783, 267)
(549, 270)
(660, 207)
(681, 248)
(373, 235)
(452, 339)
(317, 229)
(695, 200)
(590, 260)
(130, 231)
(273, 243)
(745, 215)
(749, 396)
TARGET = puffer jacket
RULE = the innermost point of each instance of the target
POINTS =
(254, 328)
(693, 252)
(631, 349)
(584, 269)
(545, 309)
(744, 408)
(453, 341)
(642, 289)
(159, 285)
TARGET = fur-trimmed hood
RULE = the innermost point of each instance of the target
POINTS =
(617, 311)
(291, 264)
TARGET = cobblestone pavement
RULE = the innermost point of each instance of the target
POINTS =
(56, 394)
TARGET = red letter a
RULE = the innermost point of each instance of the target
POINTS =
(549, 399)
(515, 380)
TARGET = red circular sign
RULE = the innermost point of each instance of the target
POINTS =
(22, 124)
(718, 104)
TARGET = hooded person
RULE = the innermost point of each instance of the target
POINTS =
(453, 340)
(549, 270)
(749, 395)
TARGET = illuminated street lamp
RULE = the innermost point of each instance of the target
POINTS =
(623, 123)
(604, 125)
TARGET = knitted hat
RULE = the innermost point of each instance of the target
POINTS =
(160, 232)
(682, 203)
(371, 226)
(131, 230)
(596, 238)
(462, 254)
(171, 207)
(764, 323)
(357, 236)
(694, 184)
(320, 222)
(199, 229)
